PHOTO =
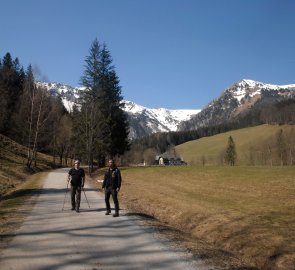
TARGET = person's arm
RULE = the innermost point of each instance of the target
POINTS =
(83, 179)
(119, 180)
(104, 181)
(69, 176)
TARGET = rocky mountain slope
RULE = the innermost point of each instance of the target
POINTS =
(237, 100)
(143, 121)
(233, 102)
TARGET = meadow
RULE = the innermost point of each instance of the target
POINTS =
(241, 216)
(254, 145)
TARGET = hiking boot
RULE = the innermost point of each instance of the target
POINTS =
(116, 214)
(77, 210)
(107, 212)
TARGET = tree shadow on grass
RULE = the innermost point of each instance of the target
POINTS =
(37, 191)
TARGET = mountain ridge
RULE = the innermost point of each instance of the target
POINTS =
(237, 100)
(143, 121)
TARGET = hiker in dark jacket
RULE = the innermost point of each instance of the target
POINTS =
(77, 178)
(111, 185)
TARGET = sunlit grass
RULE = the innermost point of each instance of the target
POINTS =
(242, 209)
(211, 148)
(15, 206)
(13, 170)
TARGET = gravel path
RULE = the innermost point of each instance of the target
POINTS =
(54, 239)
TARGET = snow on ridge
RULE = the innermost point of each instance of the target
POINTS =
(164, 119)
(133, 108)
(168, 119)
(252, 84)
(242, 88)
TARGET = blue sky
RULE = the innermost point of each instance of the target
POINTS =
(177, 54)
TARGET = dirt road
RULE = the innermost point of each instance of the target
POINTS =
(54, 239)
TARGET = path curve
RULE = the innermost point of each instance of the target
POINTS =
(54, 239)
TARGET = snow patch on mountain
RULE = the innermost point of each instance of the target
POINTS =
(67, 93)
(238, 100)
(168, 120)
(253, 88)
(143, 121)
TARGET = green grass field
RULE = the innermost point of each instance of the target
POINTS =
(246, 212)
(255, 139)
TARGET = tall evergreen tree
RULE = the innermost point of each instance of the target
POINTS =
(11, 85)
(22, 117)
(91, 118)
(104, 123)
(231, 154)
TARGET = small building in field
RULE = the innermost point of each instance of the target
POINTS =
(169, 159)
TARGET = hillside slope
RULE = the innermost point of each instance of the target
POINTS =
(13, 169)
(253, 146)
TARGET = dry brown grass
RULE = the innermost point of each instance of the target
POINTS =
(13, 171)
(232, 216)
(16, 205)
(18, 187)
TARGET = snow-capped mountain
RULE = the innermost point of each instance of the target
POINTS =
(145, 121)
(142, 121)
(68, 93)
(238, 99)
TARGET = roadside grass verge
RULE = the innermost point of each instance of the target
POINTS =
(13, 170)
(17, 204)
(239, 216)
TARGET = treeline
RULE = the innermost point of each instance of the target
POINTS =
(146, 148)
(96, 129)
(278, 149)
(282, 112)
(29, 114)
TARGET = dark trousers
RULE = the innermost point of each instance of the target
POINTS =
(76, 196)
(108, 192)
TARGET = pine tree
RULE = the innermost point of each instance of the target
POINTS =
(104, 123)
(11, 85)
(231, 154)
(91, 101)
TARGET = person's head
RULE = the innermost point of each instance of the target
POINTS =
(111, 163)
(77, 163)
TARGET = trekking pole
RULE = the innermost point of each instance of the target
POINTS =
(65, 197)
(85, 197)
